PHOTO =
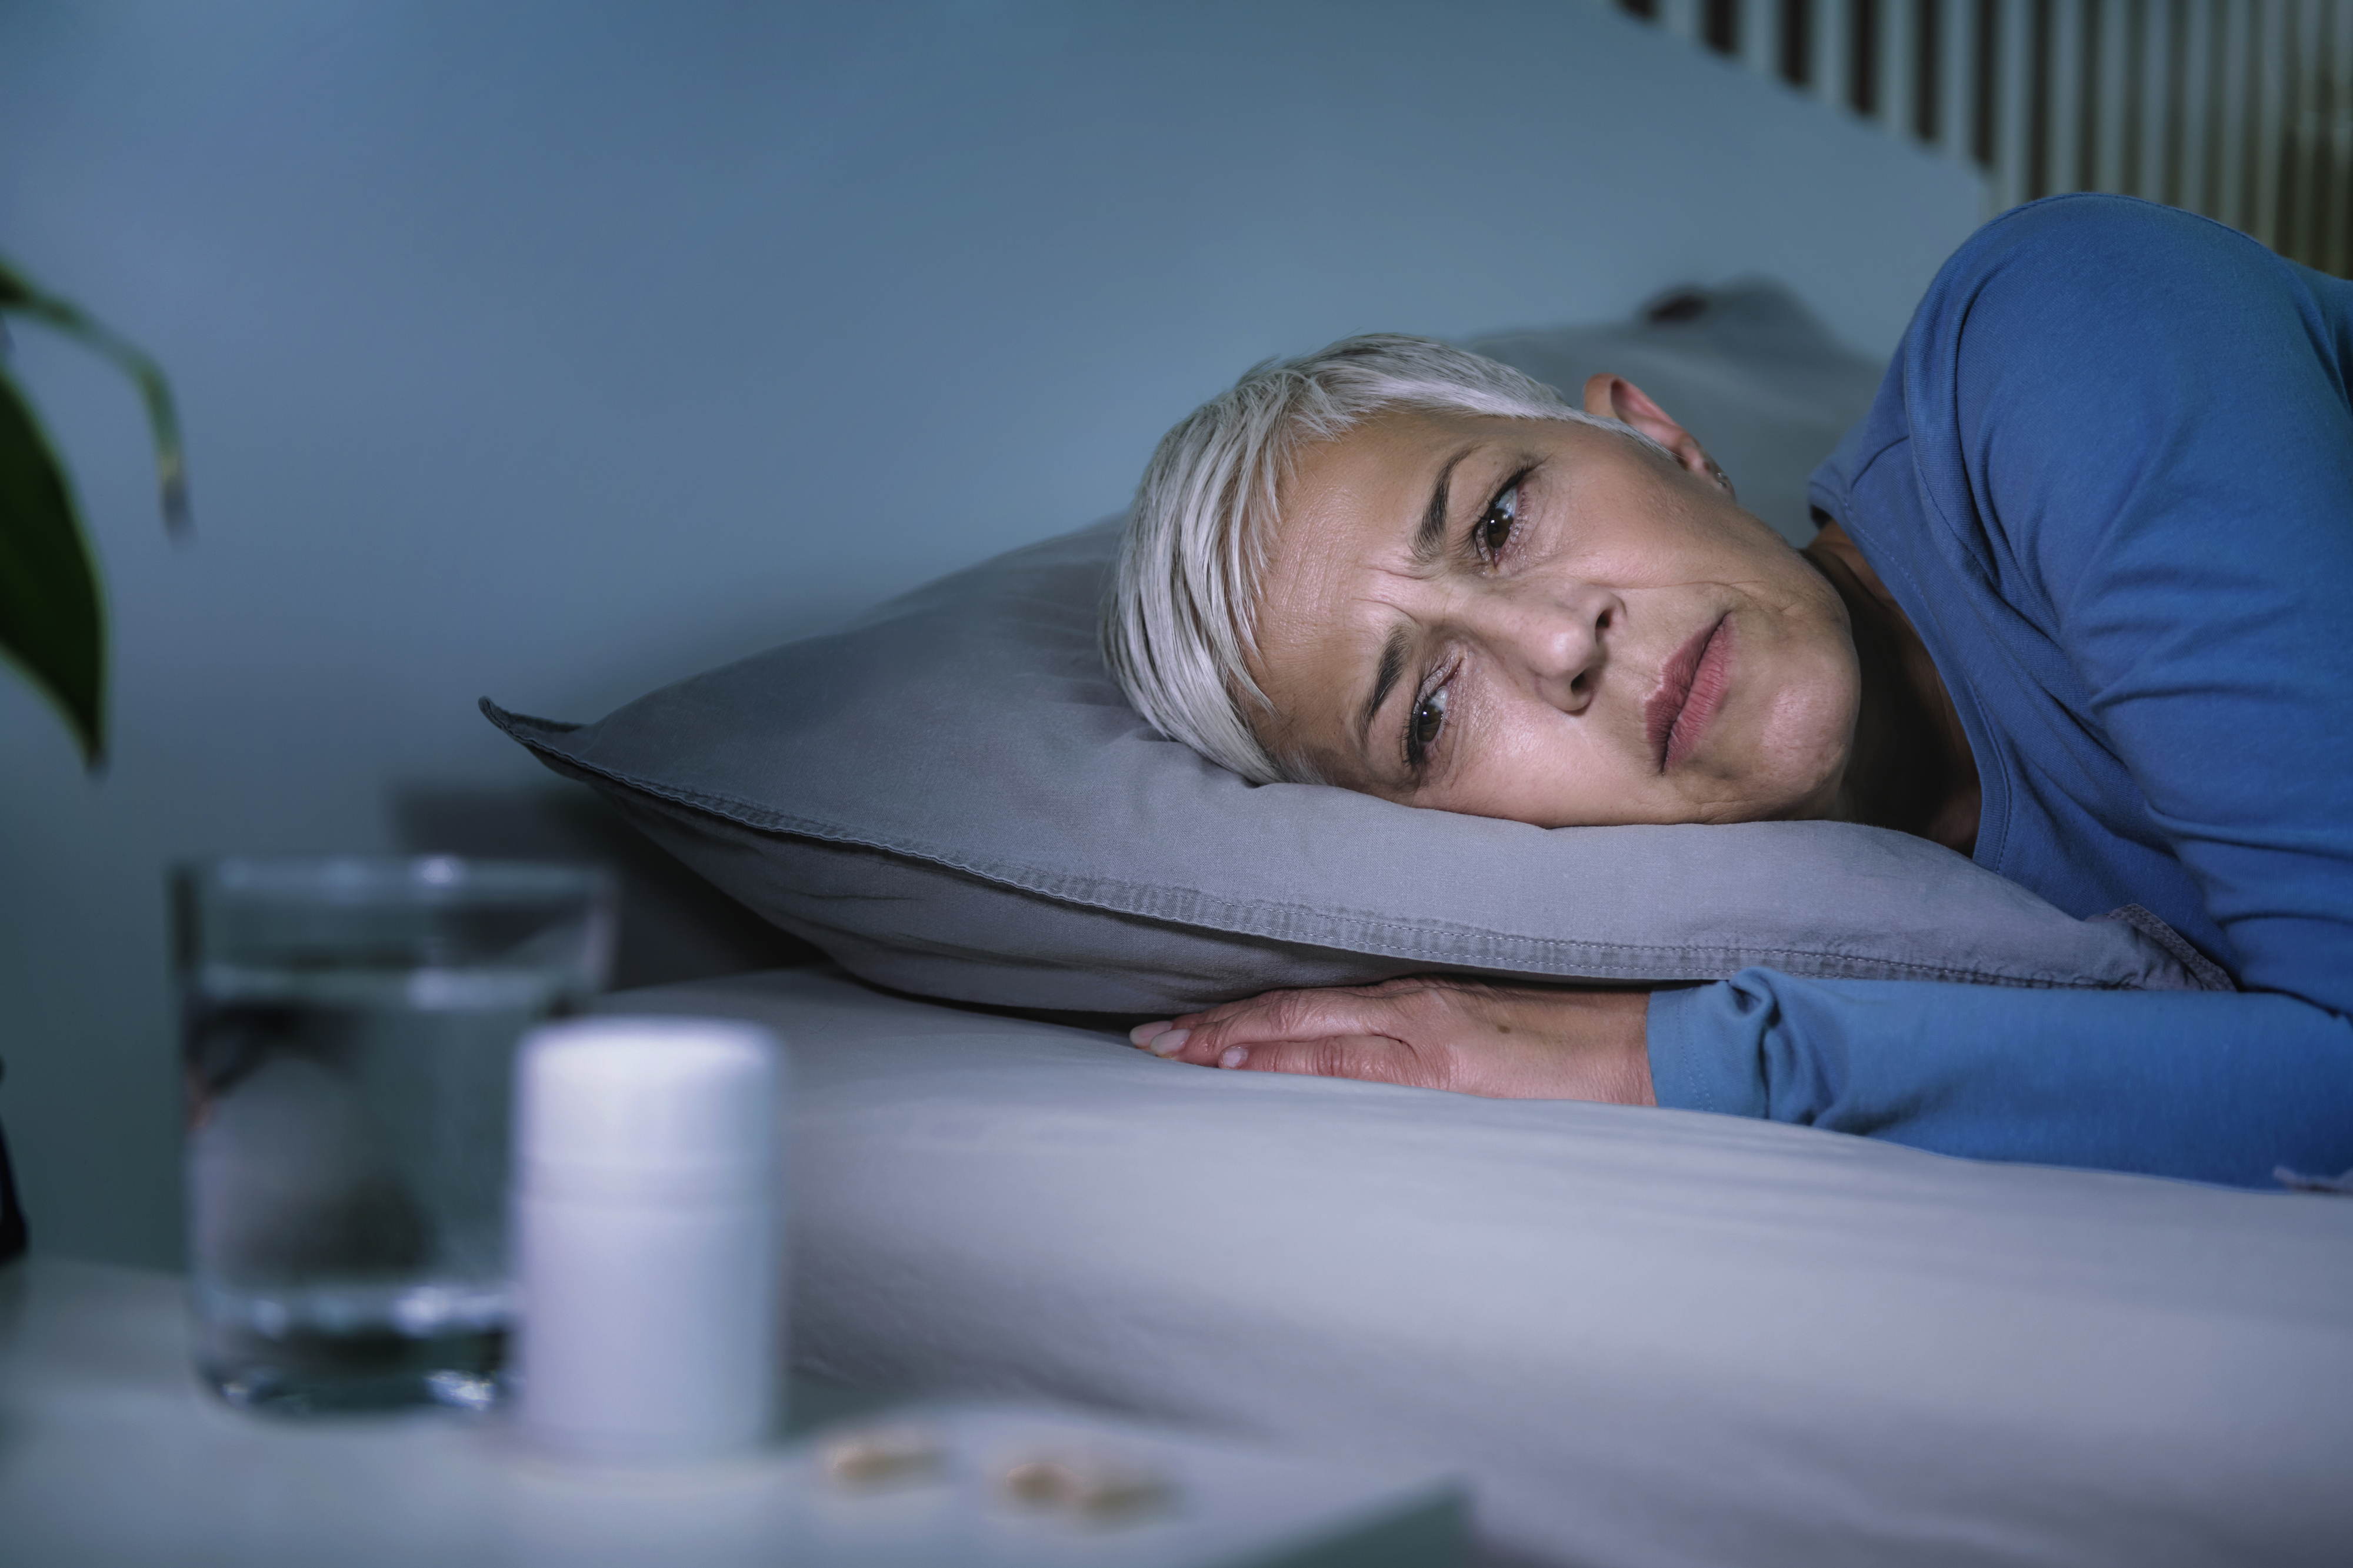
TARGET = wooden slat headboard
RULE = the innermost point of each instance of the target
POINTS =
(2241, 109)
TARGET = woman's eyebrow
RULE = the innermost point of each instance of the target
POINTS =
(1392, 665)
(1429, 538)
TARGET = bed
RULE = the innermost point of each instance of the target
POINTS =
(1639, 1336)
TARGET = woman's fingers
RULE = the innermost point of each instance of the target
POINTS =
(1166, 1038)
(1396, 1010)
(1294, 1015)
(1376, 1058)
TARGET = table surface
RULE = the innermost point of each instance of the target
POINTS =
(110, 1453)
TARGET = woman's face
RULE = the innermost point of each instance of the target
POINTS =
(1547, 622)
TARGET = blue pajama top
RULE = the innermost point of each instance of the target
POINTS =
(2109, 477)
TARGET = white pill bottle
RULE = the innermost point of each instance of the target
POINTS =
(646, 1237)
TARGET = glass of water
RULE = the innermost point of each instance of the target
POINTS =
(349, 1028)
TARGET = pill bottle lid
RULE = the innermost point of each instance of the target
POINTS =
(645, 1110)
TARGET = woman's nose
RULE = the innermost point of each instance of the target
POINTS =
(1557, 636)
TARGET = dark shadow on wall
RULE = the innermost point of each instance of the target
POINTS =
(674, 925)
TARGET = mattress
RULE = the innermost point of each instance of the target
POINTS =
(1637, 1336)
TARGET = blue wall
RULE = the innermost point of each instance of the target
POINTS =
(553, 351)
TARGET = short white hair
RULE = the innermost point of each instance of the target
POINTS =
(1179, 626)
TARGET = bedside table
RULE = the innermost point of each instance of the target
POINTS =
(110, 1454)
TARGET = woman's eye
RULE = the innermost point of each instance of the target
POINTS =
(1422, 726)
(1496, 524)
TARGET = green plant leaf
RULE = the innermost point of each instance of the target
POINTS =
(51, 622)
(18, 294)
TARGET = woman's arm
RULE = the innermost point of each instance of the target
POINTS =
(2212, 1087)
(2209, 1087)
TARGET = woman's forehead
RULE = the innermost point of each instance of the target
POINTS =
(1341, 558)
(1392, 461)
(1390, 449)
(1368, 497)
(1348, 505)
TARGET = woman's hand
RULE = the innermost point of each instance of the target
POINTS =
(1426, 1032)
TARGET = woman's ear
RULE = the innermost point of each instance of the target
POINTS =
(1608, 397)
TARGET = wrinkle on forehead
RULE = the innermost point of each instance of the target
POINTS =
(1329, 559)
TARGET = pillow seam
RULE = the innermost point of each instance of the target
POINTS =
(1402, 940)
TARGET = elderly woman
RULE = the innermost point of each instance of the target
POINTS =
(2080, 607)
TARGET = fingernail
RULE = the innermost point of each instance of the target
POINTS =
(1168, 1042)
(1144, 1034)
(1235, 1056)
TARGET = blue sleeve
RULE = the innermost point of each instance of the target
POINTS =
(2212, 1087)
(2129, 436)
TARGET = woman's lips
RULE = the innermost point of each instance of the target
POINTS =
(1691, 689)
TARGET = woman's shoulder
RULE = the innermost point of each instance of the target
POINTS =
(2083, 371)
(2056, 272)
(2089, 223)
(2087, 242)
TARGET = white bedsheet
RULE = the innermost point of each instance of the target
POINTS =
(1642, 1337)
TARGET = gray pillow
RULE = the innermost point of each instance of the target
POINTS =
(950, 798)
